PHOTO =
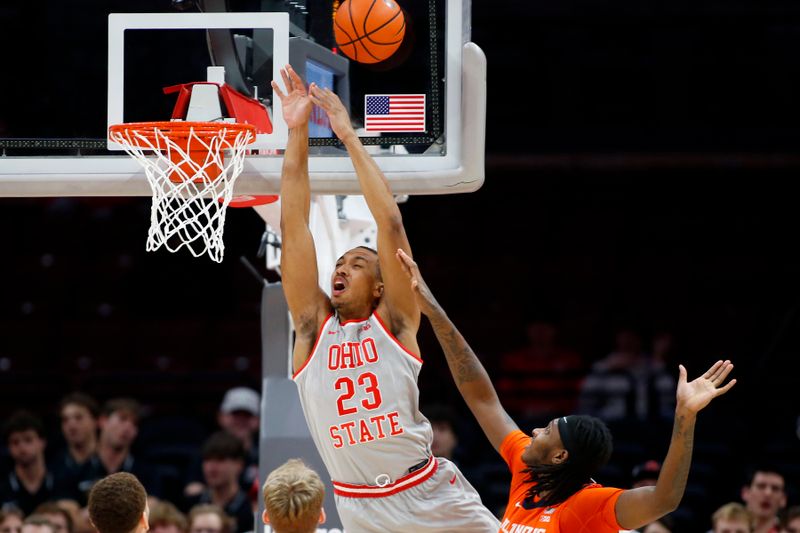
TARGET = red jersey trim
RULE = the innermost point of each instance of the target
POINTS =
(406, 482)
(391, 336)
(353, 321)
(314, 349)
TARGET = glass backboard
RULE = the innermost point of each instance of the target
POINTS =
(84, 69)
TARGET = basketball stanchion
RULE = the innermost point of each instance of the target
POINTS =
(190, 177)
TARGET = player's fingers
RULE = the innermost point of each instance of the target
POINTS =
(286, 81)
(723, 373)
(410, 262)
(716, 375)
(681, 374)
(402, 262)
(277, 90)
(407, 261)
(725, 389)
(316, 101)
(295, 77)
(711, 371)
(316, 95)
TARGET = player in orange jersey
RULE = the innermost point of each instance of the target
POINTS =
(551, 486)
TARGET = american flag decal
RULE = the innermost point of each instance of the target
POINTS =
(394, 112)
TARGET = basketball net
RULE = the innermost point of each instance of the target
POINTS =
(191, 180)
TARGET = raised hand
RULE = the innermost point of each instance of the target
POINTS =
(333, 107)
(695, 395)
(425, 300)
(295, 103)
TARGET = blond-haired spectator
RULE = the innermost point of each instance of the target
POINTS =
(732, 518)
(293, 495)
(37, 524)
(210, 518)
(11, 520)
(59, 518)
(166, 518)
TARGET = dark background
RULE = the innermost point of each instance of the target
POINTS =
(641, 159)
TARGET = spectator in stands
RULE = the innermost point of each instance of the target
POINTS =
(29, 482)
(443, 422)
(238, 415)
(78, 413)
(166, 518)
(542, 379)
(764, 495)
(791, 520)
(665, 524)
(293, 495)
(645, 474)
(11, 520)
(629, 384)
(37, 524)
(78, 516)
(119, 426)
(59, 518)
(208, 518)
(223, 460)
(732, 518)
(118, 504)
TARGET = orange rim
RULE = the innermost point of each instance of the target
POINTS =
(180, 130)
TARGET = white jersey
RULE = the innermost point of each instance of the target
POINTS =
(359, 394)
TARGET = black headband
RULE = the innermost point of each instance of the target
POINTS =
(565, 431)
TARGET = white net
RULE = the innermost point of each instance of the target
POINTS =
(191, 168)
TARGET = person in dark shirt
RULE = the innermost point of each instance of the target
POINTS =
(238, 415)
(119, 426)
(78, 413)
(29, 482)
(223, 461)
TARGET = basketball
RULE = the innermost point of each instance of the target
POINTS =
(369, 31)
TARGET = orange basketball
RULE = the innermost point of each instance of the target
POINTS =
(369, 31)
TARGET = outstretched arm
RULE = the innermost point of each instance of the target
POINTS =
(471, 378)
(638, 507)
(308, 304)
(399, 301)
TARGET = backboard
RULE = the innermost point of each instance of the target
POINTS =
(82, 70)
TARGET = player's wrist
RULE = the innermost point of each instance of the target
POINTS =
(349, 138)
(682, 410)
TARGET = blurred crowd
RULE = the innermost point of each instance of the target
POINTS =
(214, 489)
(207, 481)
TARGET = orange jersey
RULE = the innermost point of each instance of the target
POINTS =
(590, 510)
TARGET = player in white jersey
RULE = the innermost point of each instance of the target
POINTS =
(356, 358)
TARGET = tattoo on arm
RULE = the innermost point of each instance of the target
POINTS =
(683, 440)
(463, 362)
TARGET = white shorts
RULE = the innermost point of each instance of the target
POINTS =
(438, 498)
